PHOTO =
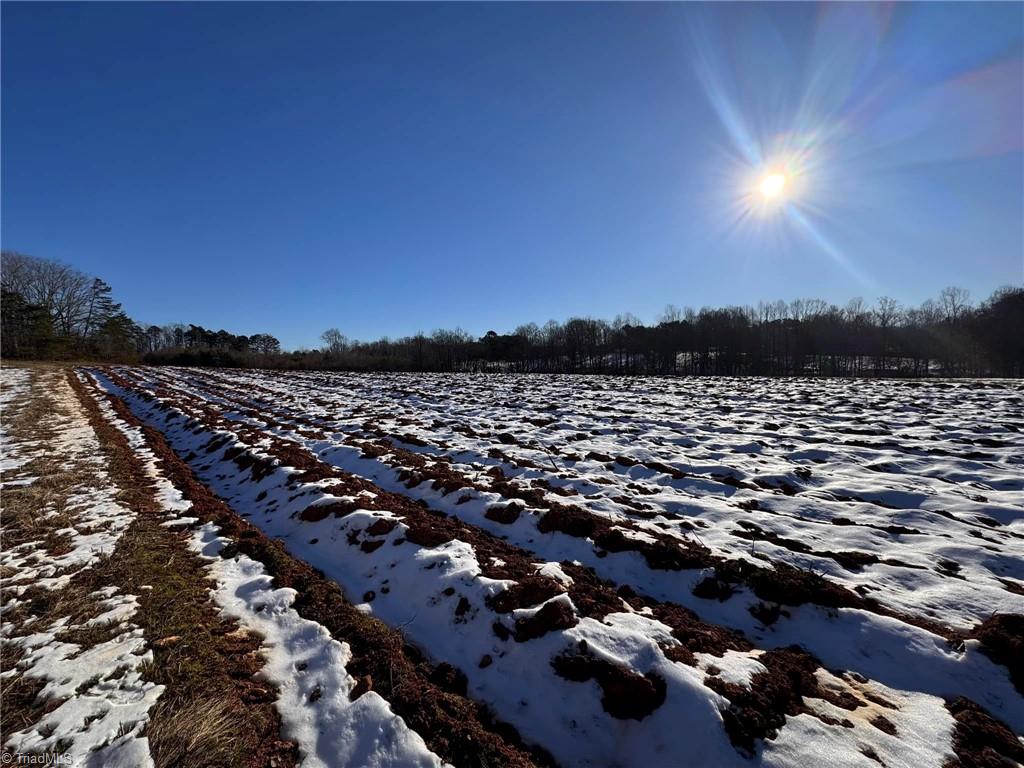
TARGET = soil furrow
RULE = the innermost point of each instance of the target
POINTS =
(454, 727)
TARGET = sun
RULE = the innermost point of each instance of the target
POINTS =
(773, 185)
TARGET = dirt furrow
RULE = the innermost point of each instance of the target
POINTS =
(587, 592)
(625, 693)
(426, 696)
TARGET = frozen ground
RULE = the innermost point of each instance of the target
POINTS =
(706, 572)
(300, 655)
(91, 704)
(102, 700)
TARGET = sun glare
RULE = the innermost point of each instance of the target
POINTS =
(773, 185)
(768, 189)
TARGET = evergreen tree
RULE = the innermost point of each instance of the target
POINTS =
(26, 329)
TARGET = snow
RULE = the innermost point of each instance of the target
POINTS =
(106, 700)
(300, 655)
(99, 520)
(14, 386)
(923, 733)
(918, 464)
(737, 667)
(849, 494)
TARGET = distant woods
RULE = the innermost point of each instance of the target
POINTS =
(947, 336)
(50, 310)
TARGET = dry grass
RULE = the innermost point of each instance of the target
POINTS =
(195, 731)
(26, 517)
(212, 712)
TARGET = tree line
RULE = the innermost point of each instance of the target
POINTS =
(945, 336)
(52, 311)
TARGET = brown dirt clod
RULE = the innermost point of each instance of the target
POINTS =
(626, 695)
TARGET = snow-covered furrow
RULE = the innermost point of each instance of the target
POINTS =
(423, 590)
(939, 551)
(103, 699)
(95, 519)
(308, 668)
(901, 655)
(400, 591)
(14, 386)
(303, 662)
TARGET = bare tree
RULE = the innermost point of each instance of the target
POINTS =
(887, 312)
(335, 342)
(627, 320)
(671, 314)
(531, 332)
(954, 302)
(62, 290)
(855, 310)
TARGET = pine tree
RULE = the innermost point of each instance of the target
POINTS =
(99, 309)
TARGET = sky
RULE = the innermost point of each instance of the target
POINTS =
(393, 168)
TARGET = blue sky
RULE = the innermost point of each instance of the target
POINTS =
(393, 168)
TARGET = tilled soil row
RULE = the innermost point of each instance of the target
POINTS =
(1001, 636)
(792, 484)
(782, 584)
(454, 727)
(979, 739)
(591, 596)
(754, 713)
(609, 535)
(205, 664)
(187, 632)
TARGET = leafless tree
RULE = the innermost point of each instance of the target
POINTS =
(335, 342)
(954, 302)
(671, 314)
(855, 310)
(63, 290)
(887, 312)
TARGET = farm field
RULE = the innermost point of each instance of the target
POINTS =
(515, 570)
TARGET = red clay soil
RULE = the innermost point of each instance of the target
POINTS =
(231, 671)
(503, 513)
(457, 729)
(753, 714)
(551, 617)
(531, 590)
(695, 635)
(1002, 640)
(424, 529)
(758, 712)
(591, 596)
(979, 740)
(782, 583)
(625, 694)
